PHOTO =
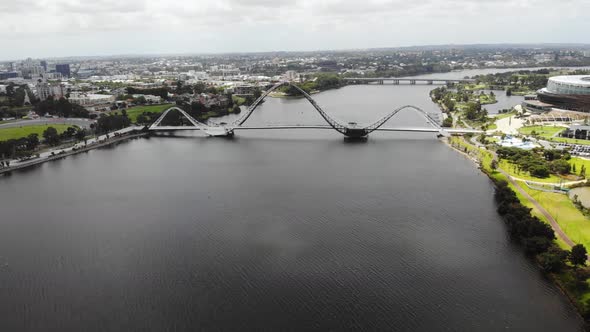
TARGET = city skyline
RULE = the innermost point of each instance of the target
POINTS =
(106, 27)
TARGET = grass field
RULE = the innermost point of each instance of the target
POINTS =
(487, 99)
(542, 131)
(570, 140)
(501, 116)
(134, 112)
(571, 220)
(18, 132)
(511, 169)
(579, 162)
(239, 100)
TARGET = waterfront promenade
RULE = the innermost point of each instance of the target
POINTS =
(58, 153)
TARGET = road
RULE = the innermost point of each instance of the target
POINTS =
(48, 154)
(84, 123)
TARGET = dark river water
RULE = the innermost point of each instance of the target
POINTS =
(270, 231)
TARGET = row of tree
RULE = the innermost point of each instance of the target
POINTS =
(25, 146)
(536, 236)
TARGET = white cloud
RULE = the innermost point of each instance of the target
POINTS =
(43, 27)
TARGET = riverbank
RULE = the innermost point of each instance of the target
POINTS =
(72, 151)
(567, 278)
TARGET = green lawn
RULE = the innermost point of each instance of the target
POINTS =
(500, 116)
(135, 111)
(571, 220)
(239, 100)
(487, 99)
(18, 132)
(542, 131)
(511, 169)
(579, 162)
(570, 140)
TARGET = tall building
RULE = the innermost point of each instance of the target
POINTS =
(44, 65)
(63, 69)
(45, 90)
(8, 74)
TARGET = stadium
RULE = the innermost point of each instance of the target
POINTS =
(567, 92)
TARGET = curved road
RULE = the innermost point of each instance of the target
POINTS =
(84, 123)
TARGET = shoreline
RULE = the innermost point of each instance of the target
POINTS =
(550, 276)
(111, 141)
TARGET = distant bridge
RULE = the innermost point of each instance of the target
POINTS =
(348, 130)
(411, 81)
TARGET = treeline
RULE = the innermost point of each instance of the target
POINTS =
(536, 235)
(111, 122)
(15, 96)
(538, 162)
(530, 79)
(408, 70)
(538, 240)
(26, 146)
(62, 108)
(161, 92)
(320, 83)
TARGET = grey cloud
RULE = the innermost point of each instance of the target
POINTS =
(101, 24)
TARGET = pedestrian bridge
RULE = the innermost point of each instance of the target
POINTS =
(411, 81)
(349, 130)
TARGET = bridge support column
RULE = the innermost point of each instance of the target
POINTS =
(429, 82)
(413, 82)
(396, 82)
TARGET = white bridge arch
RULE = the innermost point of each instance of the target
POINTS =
(345, 129)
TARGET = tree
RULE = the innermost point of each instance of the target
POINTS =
(140, 100)
(448, 122)
(51, 136)
(494, 164)
(578, 255)
(80, 134)
(32, 141)
(561, 166)
(553, 260)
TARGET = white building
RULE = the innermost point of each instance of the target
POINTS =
(292, 76)
(540, 58)
(91, 102)
(151, 99)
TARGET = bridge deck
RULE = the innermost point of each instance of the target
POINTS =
(418, 79)
(286, 127)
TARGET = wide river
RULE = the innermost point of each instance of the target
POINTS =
(271, 231)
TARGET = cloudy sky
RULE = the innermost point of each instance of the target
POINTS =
(46, 28)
